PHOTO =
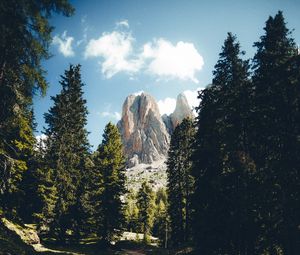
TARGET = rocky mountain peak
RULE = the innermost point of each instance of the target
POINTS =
(144, 134)
(182, 110)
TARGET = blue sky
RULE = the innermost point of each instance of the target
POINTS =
(160, 47)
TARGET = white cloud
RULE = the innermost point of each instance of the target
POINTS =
(64, 43)
(41, 137)
(159, 57)
(166, 106)
(191, 96)
(40, 141)
(122, 23)
(115, 48)
(173, 61)
(138, 93)
(112, 115)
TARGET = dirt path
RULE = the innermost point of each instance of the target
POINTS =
(134, 252)
(41, 248)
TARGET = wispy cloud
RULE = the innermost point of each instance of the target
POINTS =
(108, 113)
(112, 115)
(84, 28)
(64, 43)
(122, 23)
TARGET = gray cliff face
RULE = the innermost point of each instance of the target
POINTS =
(145, 133)
(182, 111)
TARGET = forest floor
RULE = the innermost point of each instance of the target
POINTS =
(120, 248)
(18, 239)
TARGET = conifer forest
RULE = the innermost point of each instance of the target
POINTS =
(232, 170)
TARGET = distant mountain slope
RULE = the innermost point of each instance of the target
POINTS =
(154, 174)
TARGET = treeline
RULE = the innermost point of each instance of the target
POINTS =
(146, 213)
(57, 183)
(68, 191)
(234, 173)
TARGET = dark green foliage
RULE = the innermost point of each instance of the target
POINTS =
(25, 37)
(235, 180)
(180, 182)
(222, 166)
(109, 184)
(160, 223)
(65, 157)
(290, 181)
(15, 157)
(146, 206)
(132, 212)
(275, 135)
(246, 160)
(11, 243)
(36, 187)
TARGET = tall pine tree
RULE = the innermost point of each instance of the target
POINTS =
(145, 204)
(25, 37)
(109, 176)
(67, 149)
(180, 182)
(237, 172)
(223, 166)
(275, 136)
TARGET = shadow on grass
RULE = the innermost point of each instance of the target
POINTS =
(94, 247)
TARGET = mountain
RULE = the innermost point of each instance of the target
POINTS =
(182, 111)
(145, 133)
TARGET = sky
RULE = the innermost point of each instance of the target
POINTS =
(160, 47)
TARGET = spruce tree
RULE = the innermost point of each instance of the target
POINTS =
(160, 224)
(25, 37)
(132, 212)
(222, 164)
(35, 187)
(180, 182)
(290, 181)
(207, 201)
(145, 203)
(274, 135)
(236, 176)
(67, 151)
(109, 176)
